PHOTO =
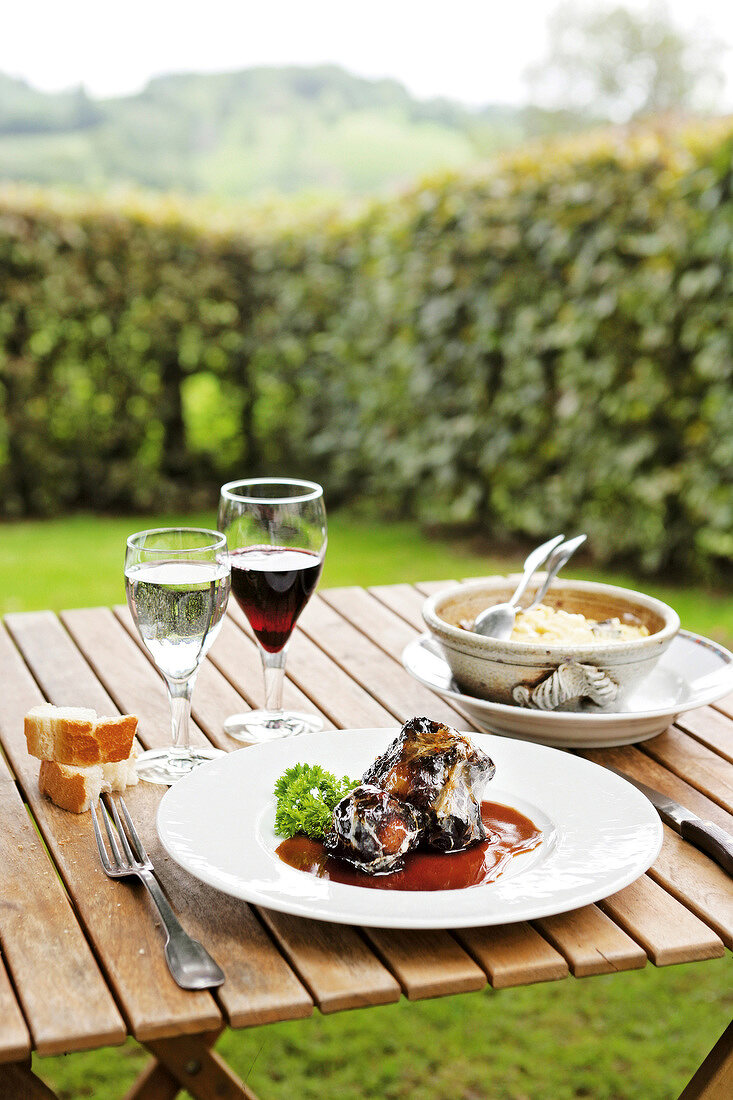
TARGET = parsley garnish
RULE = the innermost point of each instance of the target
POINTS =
(306, 796)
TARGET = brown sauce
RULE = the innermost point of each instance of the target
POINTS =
(510, 833)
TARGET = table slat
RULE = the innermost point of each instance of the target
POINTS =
(237, 658)
(725, 705)
(403, 600)
(635, 911)
(713, 726)
(334, 962)
(384, 678)
(667, 930)
(374, 619)
(426, 963)
(61, 672)
(706, 770)
(43, 945)
(129, 676)
(15, 1040)
(328, 687)
(391, 633)
(697, 881)
(431, 588)
(591, 942)
(642, 766)
(513, 954)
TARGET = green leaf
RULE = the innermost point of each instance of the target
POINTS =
(306, 796)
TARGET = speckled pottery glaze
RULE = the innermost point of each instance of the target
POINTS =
(554, 676)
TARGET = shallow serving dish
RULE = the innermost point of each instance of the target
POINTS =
(552, 676)
(692, 673)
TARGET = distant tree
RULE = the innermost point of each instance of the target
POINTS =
(604, 60)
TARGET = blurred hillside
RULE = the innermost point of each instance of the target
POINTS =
(245, 134)
(306, 131)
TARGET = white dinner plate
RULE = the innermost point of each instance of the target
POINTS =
(598, 834)
(693, 672)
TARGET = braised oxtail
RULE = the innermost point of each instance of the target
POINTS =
(373, 831)
(441, 774)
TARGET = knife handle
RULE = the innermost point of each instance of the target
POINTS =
(711, 839)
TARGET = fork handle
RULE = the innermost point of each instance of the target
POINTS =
(190, 964)
(555, 564)
(532, 563)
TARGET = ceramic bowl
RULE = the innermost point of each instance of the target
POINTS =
(550, 676)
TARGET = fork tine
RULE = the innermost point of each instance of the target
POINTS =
(111, 836)
(100, 843)
(133, 833)
(120, 831)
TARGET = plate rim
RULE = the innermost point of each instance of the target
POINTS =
(578, 717)
(374, 914)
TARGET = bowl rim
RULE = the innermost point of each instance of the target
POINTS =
(438, 625)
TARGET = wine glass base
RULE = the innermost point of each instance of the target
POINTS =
(168, 765)
(269, 725)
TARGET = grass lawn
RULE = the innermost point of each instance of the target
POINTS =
(78, 562)
(632, 1036)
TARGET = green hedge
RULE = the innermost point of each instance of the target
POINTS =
(104, 319)
(548, 345)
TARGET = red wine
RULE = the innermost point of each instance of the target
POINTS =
(272, 585)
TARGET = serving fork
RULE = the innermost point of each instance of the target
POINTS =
(190, 964)
(498, 621)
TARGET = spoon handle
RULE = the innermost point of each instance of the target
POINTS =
(555, 564)
(532, 564)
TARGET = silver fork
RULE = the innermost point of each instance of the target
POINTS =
(189, 962)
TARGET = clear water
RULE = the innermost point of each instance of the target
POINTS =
(177, 607)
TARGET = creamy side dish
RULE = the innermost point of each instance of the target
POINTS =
(549, 624)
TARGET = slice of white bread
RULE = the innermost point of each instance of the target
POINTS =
(75, 735)
(76, 789)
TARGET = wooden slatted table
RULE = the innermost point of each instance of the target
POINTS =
(81, 961)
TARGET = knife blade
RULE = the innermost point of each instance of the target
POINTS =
(705, 835)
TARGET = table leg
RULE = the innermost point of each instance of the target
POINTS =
(714, 1079)
(154, 1083)
(19, 1082)
(188, 1062)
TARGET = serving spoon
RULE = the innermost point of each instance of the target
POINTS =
(498, 621)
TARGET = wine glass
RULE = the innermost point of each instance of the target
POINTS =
(276, 531)
(177, 582)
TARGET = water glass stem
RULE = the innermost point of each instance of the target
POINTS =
(179, 693)
(273, 665)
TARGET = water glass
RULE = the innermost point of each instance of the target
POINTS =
(177, 582)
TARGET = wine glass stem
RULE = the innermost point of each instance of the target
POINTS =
(273, 665)
(179, 693)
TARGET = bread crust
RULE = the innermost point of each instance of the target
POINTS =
(115, 736)
(72, 790)
(52, 735)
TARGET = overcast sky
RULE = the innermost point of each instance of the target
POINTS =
(474, 51)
